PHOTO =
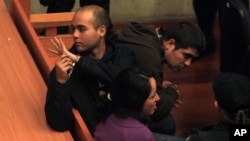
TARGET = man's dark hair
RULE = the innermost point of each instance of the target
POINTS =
(186, 35)
(101, 18)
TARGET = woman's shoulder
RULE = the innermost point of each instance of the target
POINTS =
(126, 122)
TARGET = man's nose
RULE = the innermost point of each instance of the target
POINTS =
(75, 33)
(157, 97)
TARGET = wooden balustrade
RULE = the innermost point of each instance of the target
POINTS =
(43, 59)
(22, 90)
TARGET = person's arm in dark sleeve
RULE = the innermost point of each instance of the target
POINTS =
(58, 107)
(104, 71)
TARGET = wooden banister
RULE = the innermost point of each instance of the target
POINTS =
(29, 36)
(51, 19)
(22, 89)
(44, 60)
(81, 129)
(26, 6)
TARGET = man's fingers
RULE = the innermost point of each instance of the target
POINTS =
(57, 44)
(54, 51)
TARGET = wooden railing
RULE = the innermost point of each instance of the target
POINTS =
(49, 23)
(38, 48)
(39, 53)
(22, 89)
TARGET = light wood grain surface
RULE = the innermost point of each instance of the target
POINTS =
(22, 90)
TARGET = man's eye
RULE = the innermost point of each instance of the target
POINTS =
(188, 56)
(81, 29)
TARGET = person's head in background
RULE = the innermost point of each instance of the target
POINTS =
(232, 97)
(181, 44)
(134, 94)
(90, 27)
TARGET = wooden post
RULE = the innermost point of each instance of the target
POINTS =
(26, 4)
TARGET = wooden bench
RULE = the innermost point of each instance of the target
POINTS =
(43, 59)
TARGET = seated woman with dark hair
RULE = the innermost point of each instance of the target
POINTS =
(125, 113)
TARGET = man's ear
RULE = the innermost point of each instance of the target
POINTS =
(216, 104)
(102, 30)
(217, 107)
(221, 112)
(169, 44)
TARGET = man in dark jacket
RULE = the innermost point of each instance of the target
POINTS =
(232, 101)
(153, 47)
(83, 75)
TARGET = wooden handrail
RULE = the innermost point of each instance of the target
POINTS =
(51, 19)
(80, 127)
(22, 89)
(43, 59)
(30, 38)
